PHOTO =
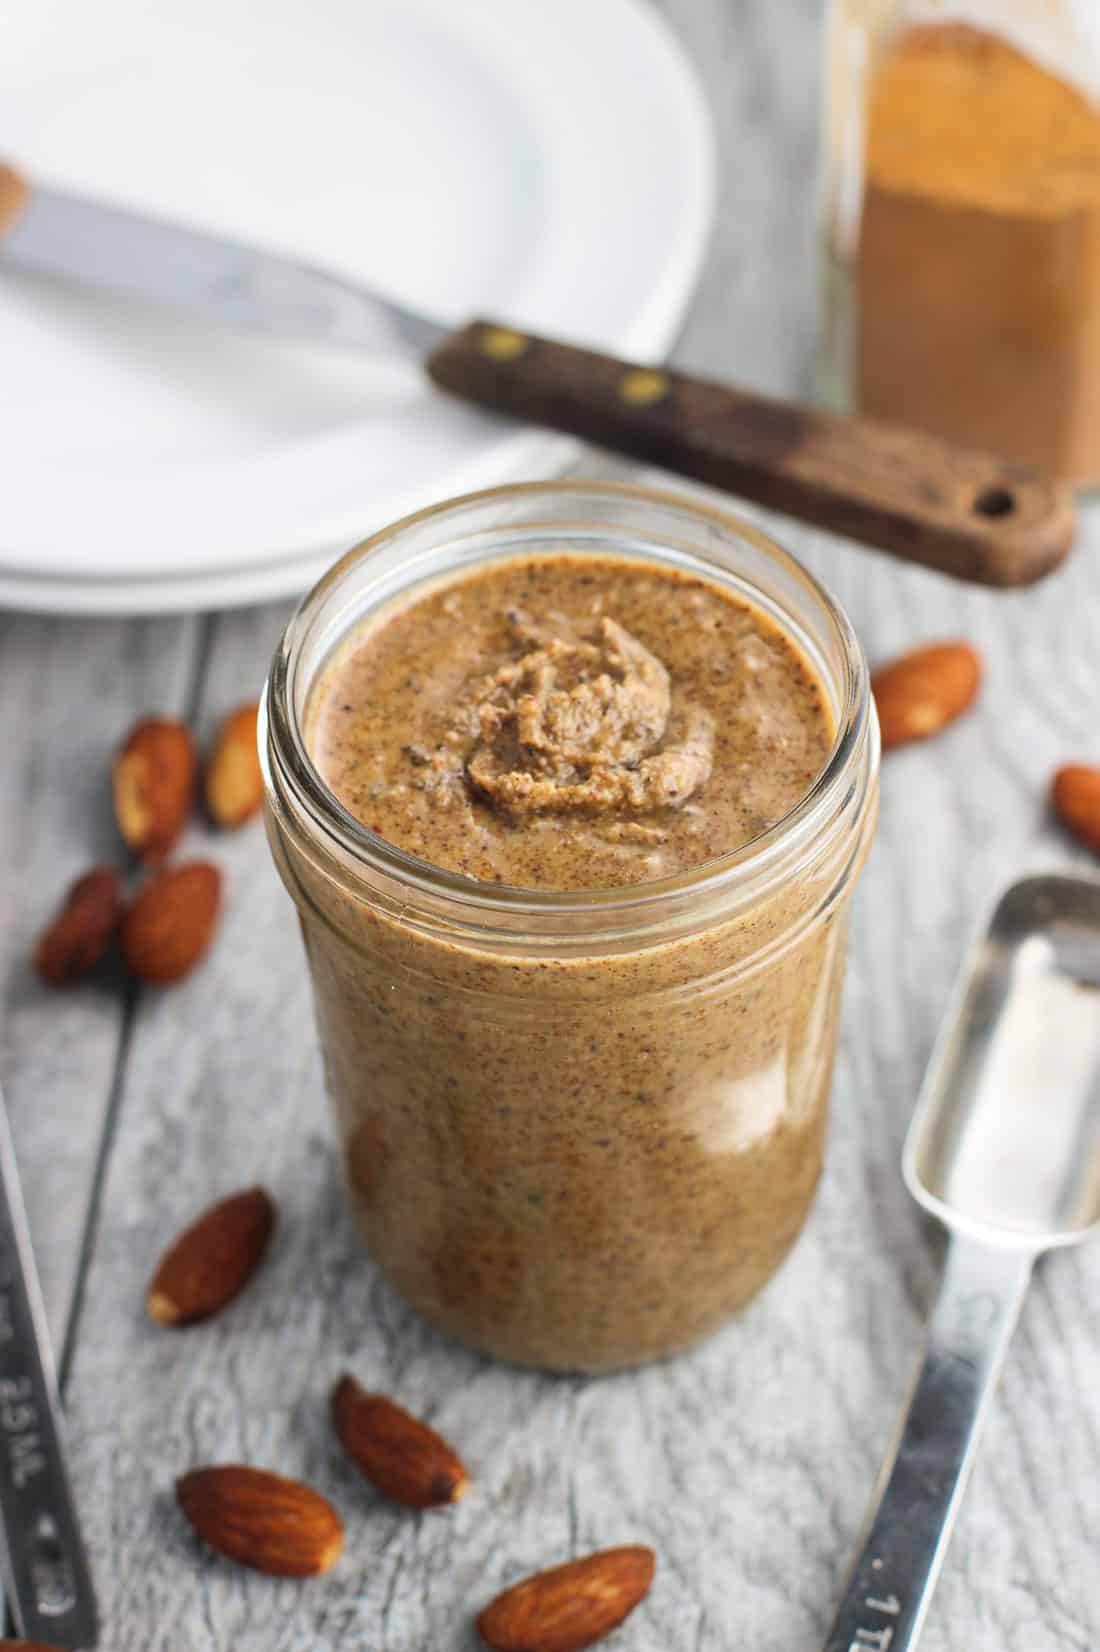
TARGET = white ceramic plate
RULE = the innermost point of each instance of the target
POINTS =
(549, 164)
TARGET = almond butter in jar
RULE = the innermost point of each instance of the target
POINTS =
(571, 785)
(962, 207)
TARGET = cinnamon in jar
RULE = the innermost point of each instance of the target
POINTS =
(978, 261)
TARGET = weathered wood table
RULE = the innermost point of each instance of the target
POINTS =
(748, 1464)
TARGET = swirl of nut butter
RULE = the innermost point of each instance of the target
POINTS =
(585, 726)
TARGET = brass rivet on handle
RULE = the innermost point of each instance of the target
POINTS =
(643, 386)
(502, 344)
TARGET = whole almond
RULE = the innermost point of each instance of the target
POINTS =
(569, 1606)
(399, 1454)
(261, 1520)
(234, 782)
(1075, 796)
(212, 1261)
(172, 922)
(154, 785)
(81, 932)
(920, 693)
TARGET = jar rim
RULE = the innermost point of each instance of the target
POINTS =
(749, 869)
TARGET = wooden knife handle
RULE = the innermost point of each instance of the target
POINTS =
(967, 514)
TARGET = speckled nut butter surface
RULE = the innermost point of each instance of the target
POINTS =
(579, 1149)
(570, 723)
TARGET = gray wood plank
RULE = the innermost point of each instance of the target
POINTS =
(748, 1463)
(755, 314)
(67, 692)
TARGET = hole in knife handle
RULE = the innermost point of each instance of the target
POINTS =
(995, 502)
(51, 1574)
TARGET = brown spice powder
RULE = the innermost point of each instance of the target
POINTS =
(979, 264)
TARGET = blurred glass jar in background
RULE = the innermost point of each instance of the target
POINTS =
(962, 222)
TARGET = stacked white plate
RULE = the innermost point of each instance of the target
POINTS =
(548, 164)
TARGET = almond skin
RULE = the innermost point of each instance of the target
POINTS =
(154, 778)
(172, 922)
(81, 932)
(212, 1261)
(399, 1454)
(920, 693)
(234, 782)
(261, 1520)
(1075, 797)
(569, 1606)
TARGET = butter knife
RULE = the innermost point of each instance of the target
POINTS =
(48, 1578)
(965, 513)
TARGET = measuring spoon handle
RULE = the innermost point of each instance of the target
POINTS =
(920, 1488)
(47, 1569)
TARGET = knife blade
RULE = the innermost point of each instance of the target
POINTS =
(48, 1577)
(967, 514)
(224, 282)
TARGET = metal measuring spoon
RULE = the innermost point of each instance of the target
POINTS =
(1004, 1149)
(47, 1574)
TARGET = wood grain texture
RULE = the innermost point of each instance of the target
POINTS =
(964, 514)
(746, 1465)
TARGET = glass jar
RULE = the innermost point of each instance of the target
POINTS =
(579, 1129)
(961, 194)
